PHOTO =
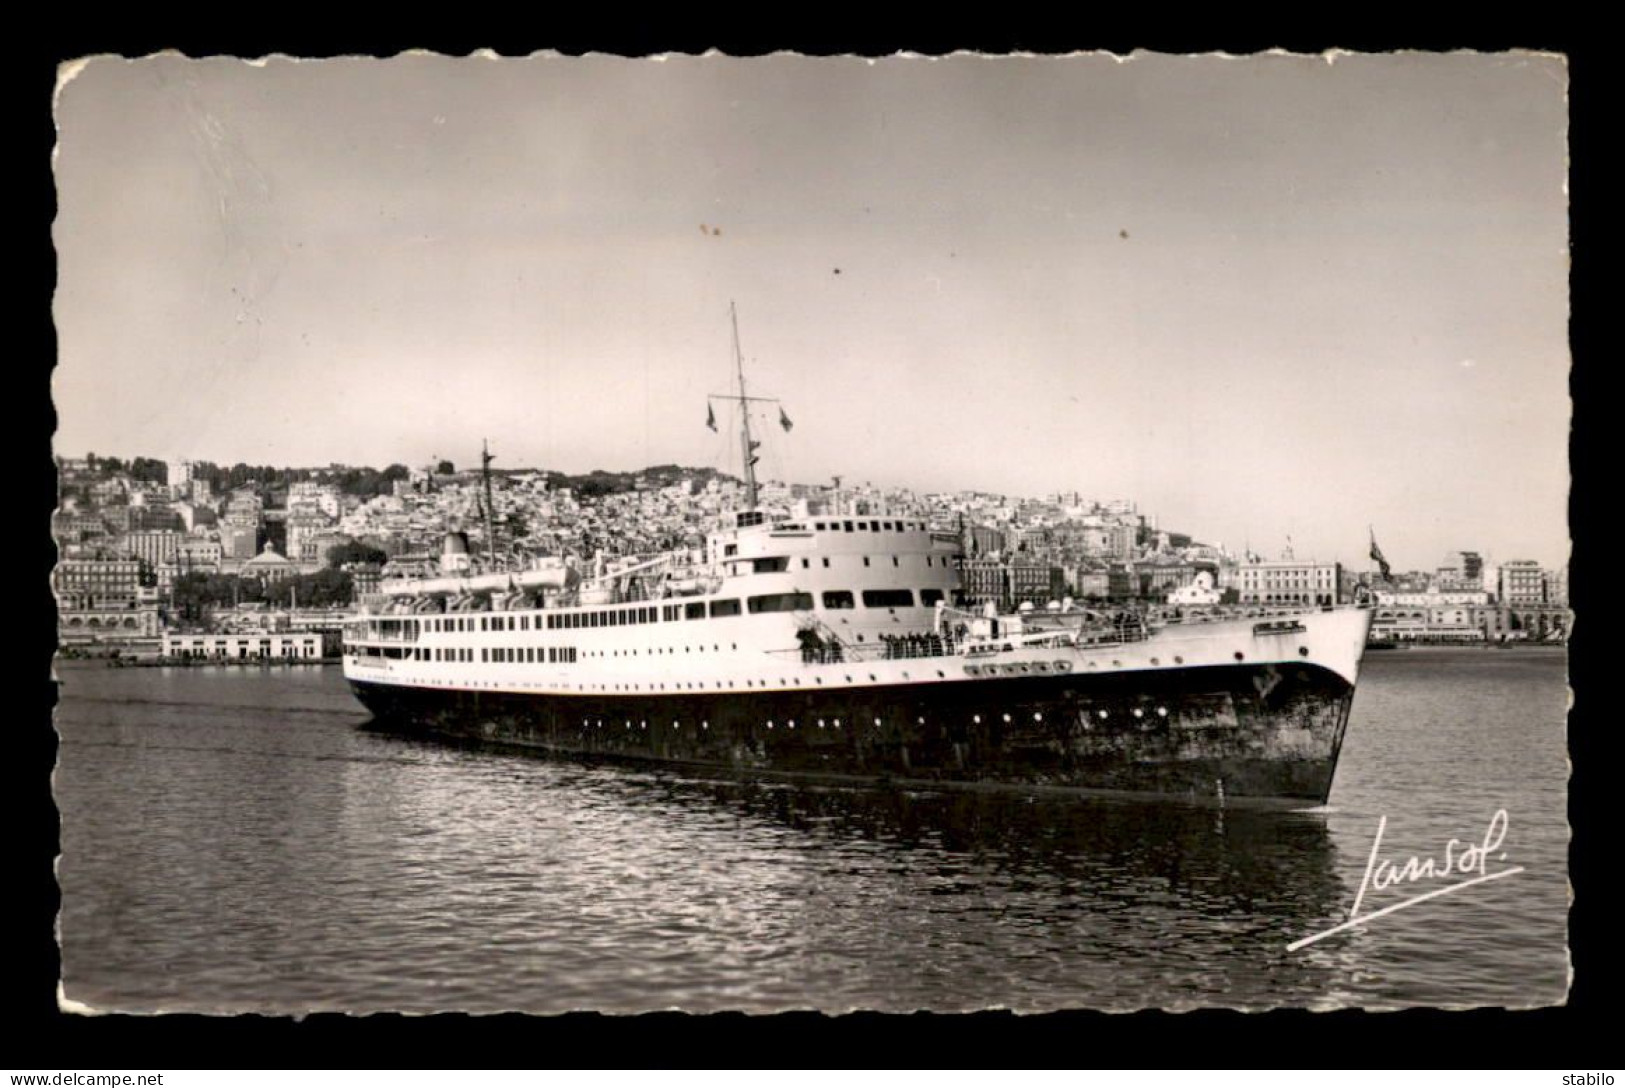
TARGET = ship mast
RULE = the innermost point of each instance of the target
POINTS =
(485, 478)
(747, 444)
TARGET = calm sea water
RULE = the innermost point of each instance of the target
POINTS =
(238, 840)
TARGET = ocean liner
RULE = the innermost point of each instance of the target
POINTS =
(829, 646)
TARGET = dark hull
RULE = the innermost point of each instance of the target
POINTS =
(1233, 732)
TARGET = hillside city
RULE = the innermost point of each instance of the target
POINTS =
(275, 557)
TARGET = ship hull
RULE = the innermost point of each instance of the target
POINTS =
(1264, 732)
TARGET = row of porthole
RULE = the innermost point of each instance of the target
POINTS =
(790, 723)
(715, 647)
(1026, 668)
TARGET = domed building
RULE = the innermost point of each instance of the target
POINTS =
(269, 566)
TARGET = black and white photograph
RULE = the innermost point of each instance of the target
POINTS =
(589, 533)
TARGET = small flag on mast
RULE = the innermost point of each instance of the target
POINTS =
(784, 421)
(1377, 557)
(710, 417)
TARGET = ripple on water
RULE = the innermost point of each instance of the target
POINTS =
(233, 841)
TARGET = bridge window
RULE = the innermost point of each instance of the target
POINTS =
(770, 566)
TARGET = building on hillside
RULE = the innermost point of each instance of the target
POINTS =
(153, 546)
(269, 566)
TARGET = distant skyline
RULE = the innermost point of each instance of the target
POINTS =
(1263, 298)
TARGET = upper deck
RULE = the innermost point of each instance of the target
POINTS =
(813, 554)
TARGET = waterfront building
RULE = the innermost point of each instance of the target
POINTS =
(1522, 582)
(241, 646)
(1557, 586)
(97, 583)
(1288, 581)
(1202, 589)
(114, 623)
(1434, 596)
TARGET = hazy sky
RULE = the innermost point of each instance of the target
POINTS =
(1263, 297)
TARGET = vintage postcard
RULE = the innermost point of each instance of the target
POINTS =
(946, 533)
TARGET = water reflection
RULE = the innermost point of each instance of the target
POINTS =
(956, 900)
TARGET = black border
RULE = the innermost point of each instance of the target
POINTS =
(1572, 1036)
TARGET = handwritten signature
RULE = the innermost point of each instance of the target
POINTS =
(1474, 858)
